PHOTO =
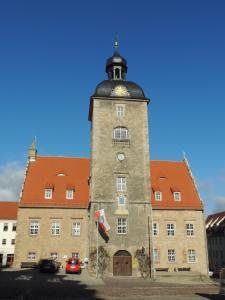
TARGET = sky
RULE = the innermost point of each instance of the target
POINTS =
(53, 54)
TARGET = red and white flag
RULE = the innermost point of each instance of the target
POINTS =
(101, 219)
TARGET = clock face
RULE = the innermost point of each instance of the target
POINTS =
(120, 156)
(120, 90)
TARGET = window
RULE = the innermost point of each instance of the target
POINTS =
(48, 193)
(158, 196)
(14, 227)
(121, 200)
(34, 227)
(156, 255)
(120, 133)
(3, 241)
(191, 255)
(177, 196)
(13, 242)
(6, 226)
(121, 225)
(55, 228)
(120, 110)
(54, 255)
(75, 255)
(76, 226)
(121, 184)
(171, 255)
(155, 229)
(31, 255)
(170, 229)
(189, 229)
(69, 194)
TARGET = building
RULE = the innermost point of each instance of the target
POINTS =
(52, 215)
(8, 221)
(150, 206)
(215, 230)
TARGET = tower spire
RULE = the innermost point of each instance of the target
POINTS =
(33, 150)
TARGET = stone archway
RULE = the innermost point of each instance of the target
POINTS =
(122, 263)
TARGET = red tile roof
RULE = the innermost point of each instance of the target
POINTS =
(166, 176)
(8, 210)
(57, 173)
(169, 177)
(215, 219)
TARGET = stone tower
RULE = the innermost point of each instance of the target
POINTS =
(120, 169)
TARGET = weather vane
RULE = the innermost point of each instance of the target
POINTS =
(116, 43)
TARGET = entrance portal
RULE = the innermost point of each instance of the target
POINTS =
(122, 263)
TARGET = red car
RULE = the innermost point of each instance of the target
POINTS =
(73, 265)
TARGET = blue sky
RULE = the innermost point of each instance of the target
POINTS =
(52, 56)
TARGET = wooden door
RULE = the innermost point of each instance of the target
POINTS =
(122, 265)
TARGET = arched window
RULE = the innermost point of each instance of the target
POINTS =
(120, 133)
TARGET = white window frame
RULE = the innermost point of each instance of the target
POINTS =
(75, 255)
(155, 229)
(76, 228)
(48, 193)
(120, 110)
(69, 194)
(14, 227)
(158, 195)
(171, 255)
(191, 255)
(31, 255)
(190, 229)
(34, 227)
(156, 255)
(122, 226)
(53, 255)
(177, 196)
(170, 228)
(120, 133)
(6, 227)
(119, 198)
(121, 184)
(55, 228)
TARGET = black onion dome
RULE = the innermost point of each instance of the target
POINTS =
(106, 87)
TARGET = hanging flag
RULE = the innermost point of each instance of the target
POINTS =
(101, 219)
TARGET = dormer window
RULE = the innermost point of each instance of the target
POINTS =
(48, 193)
(158, 196)
(69, 194)
(176, 196)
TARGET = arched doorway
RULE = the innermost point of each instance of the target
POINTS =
(122, 263)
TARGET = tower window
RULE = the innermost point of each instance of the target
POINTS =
(117, 73)
(120, 133)
(121, 200)
(121, 184)
(120, 110)
(122, 226)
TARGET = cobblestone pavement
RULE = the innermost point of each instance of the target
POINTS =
(30, 284)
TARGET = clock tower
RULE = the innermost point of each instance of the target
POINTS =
(120, 168)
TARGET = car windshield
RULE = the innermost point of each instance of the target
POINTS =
(73, 262)
(46, 262)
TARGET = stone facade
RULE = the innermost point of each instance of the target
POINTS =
(44, 243)
(106, 168)
(182, 241)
